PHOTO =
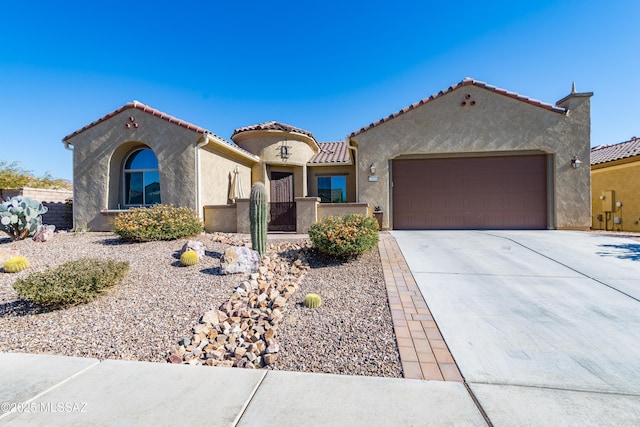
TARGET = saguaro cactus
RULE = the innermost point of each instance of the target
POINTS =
(258, 217)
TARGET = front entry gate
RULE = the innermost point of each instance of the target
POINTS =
(282, 208)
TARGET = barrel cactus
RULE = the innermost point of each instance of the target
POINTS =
(20, 217)
(258, 217)
(189, 258)
(15, 264)
(312, 301)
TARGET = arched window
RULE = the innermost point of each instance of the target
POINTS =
(141, 179)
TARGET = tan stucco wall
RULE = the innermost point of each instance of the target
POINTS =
(266, 145)
(495, 124)
(623, 177)
(98, 153)
(39, 194)
(313, 172)
(217, 170)
(334, 209)
(221, 218)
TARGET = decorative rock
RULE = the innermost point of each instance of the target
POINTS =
(44, 233)
(211, 317)
(270, 359)
(194, 245)
(175, 359)
(239, 260)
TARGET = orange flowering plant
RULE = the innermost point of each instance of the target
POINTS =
(345, 236)
(158, 222)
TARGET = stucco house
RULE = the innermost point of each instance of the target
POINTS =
(615, 179)
(470, 156)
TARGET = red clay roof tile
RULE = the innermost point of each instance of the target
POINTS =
(149, 110)
(611, 152)
(272, 126)
(332, 153)
(466, 82)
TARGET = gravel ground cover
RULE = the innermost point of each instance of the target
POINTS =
(159, 302)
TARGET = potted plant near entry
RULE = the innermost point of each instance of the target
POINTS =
(377, 214)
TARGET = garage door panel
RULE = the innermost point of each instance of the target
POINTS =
(466, 193)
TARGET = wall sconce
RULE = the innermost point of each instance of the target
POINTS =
(372, 169)
(285, 151)
(575, 162)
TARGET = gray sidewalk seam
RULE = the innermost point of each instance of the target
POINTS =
(249, 399)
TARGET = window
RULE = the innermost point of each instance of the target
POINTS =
(332, 189)
(141, 179)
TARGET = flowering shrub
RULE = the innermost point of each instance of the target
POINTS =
(158, 222)
(345, 236)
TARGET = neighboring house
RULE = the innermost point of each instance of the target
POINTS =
(615, 180)
(471, 156)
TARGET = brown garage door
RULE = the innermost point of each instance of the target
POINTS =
(508, 192)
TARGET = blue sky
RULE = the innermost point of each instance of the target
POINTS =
(329, 67)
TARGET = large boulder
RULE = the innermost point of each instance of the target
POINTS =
(239, 259)
(195, 246)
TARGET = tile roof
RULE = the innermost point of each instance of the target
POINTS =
(157, 113)
(273, 126)
(149, 110)
(466, 82)
(332, 153)
(611, 152)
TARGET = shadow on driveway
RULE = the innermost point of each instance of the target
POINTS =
(629, 251)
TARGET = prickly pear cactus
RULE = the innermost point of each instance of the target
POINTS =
(15, 264)
(258, 217)
(20, 217)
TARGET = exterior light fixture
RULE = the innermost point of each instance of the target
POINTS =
(372, 169)
(285, 151)
(575, 163)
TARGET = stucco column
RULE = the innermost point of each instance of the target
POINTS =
(306, 213)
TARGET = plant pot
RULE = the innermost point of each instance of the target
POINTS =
(378, 216)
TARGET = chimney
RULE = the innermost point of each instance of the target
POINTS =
(574, 99)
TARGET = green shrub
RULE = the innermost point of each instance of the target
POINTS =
(158, 222)
(72, 283)
(345, 236)
(16, 264)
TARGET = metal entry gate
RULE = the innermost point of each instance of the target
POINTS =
(282, 208)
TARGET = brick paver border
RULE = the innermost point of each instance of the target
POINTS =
(423, 352)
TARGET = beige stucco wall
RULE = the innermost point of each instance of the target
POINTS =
(495, 124)
(313, 172)
(217, 171)
(334, 209)
(98, 154)
(221, 218)
(623, 178)
(266, 145)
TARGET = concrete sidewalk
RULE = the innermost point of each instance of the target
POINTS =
(68, 391)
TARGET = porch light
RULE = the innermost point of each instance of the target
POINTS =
(285, 151)
(372, 169)
(575, 162)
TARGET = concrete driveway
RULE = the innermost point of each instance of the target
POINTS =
(544, 325)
